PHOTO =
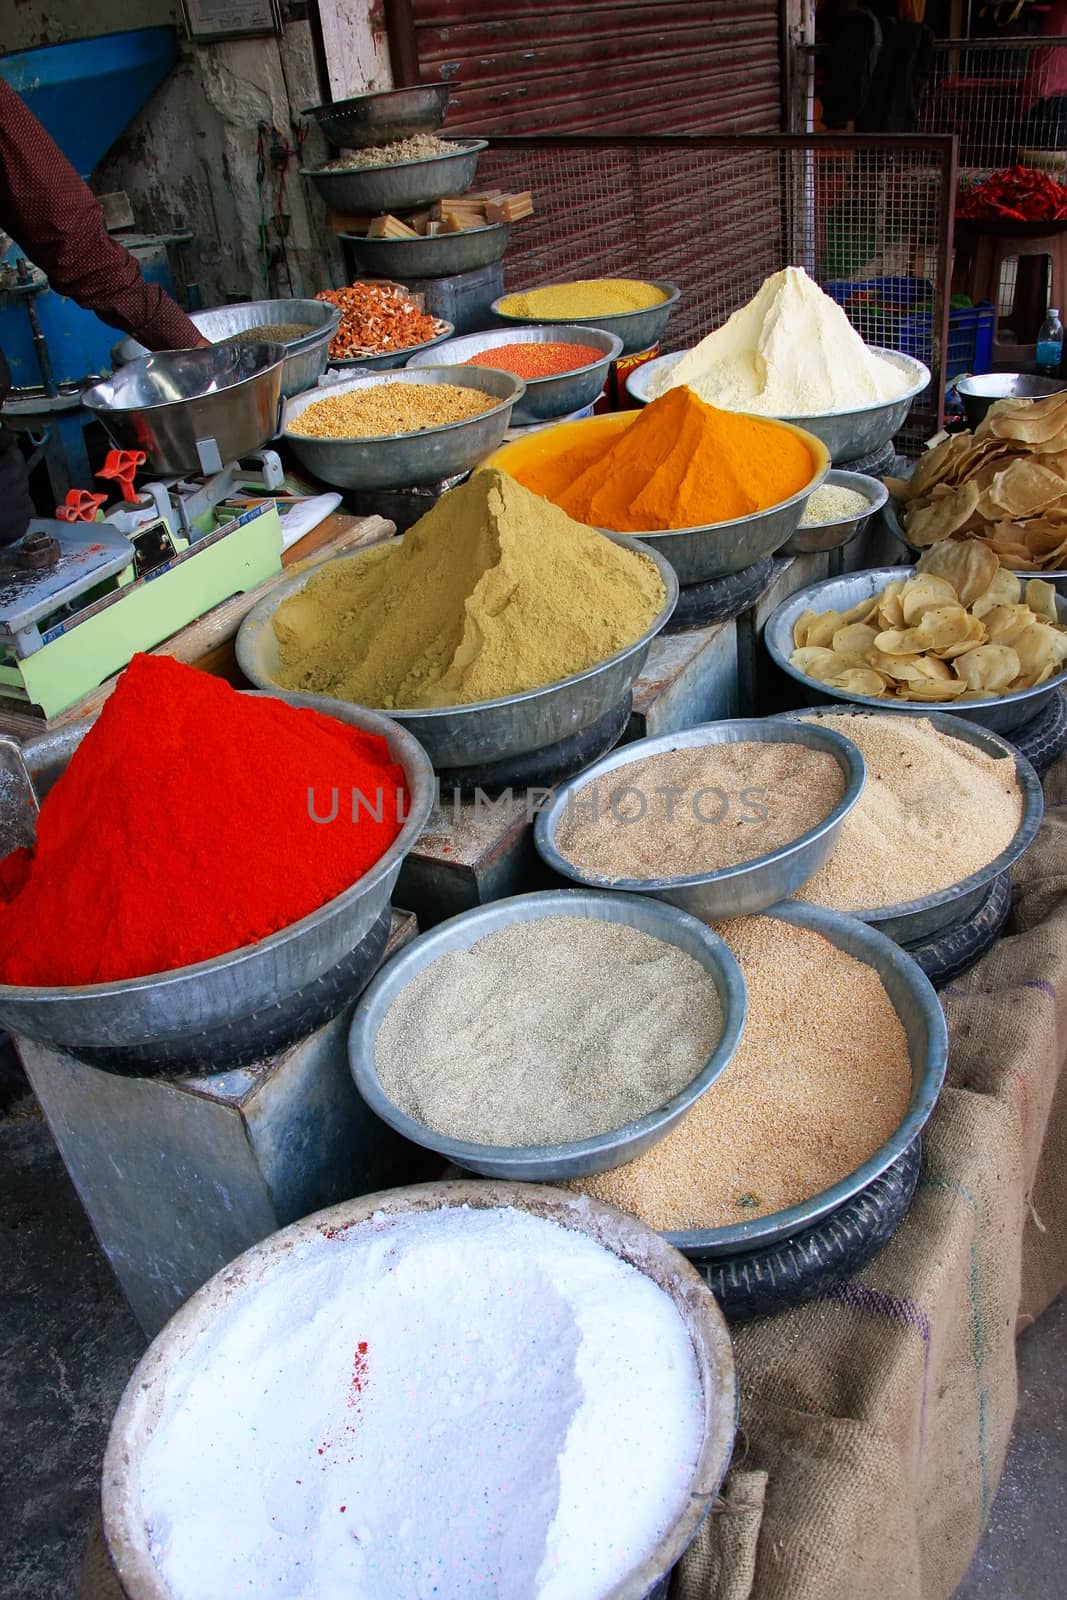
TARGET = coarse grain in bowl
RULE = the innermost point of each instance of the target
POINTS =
(551, 398)
(398, 461)
(138, 1415)
(580, 1157)
(750, 886)
(404, 184)
(638, 330)
(490, 730)
(910, 921)
(916, 1004)
(833, 534)
(848, 434)
(1003, 714)
(698, 554)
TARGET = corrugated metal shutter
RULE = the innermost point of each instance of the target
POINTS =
(522, 66)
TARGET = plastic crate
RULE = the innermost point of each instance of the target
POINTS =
(897, 314)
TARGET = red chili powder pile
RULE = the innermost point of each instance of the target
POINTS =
(537, 360)
(183, 829)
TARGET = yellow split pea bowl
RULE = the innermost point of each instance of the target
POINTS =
(714, 550)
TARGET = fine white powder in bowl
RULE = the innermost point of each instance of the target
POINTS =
(442, 1404)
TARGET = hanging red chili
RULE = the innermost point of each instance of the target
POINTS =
(183, 828)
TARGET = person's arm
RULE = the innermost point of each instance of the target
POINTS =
(53, 216)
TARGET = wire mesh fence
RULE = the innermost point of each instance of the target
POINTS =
(1006, 100)
(868, 217)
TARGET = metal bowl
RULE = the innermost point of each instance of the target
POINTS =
(979, 393)
(579, 1158)
(818, 536)
(305, 356)
(490, 730)
(139, 1409)
(186, 1001)
(390, 360)
(920, 1013)
(911, 921)
(383, 116)
(405, 184)
(178, 405)
(546, 399)
(405, 460)
(1003, 715)
(441, 256)
(737, 891)
(638, 330)
(847, 435)
(696, 554)
(891, 518)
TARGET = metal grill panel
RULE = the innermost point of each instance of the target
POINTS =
(986, 93)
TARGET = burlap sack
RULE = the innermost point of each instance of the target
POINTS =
(874, 1422)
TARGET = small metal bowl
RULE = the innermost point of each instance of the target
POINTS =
(545, 399)
(811, 538)
(1003, 715)
(891, 518)
(179, 405)
(980, 392)
(738, 891)
(490, 730)
(923, 1020)
(697, 554)
(125, 1530)
(911, 921)
(403, 185)
(577, 1158)
(382, 116)
(441, 256)
(638, 330)
(390, 360)
(847, 435)
(405, 460)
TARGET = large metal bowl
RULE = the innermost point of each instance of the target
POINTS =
(405, 184)
(138, 1413)
(441, 256)
(696, 554)
(578, 1158)
(980, 392)
(638, 330)
(1003, 715)
(192, 410)
(736, 891)
(923, 1020)
(305, 355)
(911, 921)
(891, 518)
(818, 536)
(545, 399)
(405, 460)
(382, 116)
(847, 435)
(390, 360)
(186, 1001)
(490, 730)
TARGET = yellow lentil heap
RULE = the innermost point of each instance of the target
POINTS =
(588, 297)
(820, 1080)
(492, 592)
(390, 409)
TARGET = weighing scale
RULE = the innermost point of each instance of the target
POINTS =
(79, 598)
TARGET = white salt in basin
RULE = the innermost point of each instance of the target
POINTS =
(462, 1389)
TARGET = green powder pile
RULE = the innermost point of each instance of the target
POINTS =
(493, 592)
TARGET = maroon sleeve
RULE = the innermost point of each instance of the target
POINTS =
(52, 215)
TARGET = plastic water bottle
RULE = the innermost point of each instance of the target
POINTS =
(1050, 345)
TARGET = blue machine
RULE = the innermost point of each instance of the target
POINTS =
(86, 94)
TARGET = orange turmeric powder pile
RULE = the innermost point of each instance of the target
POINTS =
(680, 464)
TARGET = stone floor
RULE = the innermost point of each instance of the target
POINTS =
(68, 1344)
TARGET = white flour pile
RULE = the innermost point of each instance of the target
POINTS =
(458, 1403)
(791, 352)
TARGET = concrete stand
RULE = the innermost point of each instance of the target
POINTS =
(178, 1176)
